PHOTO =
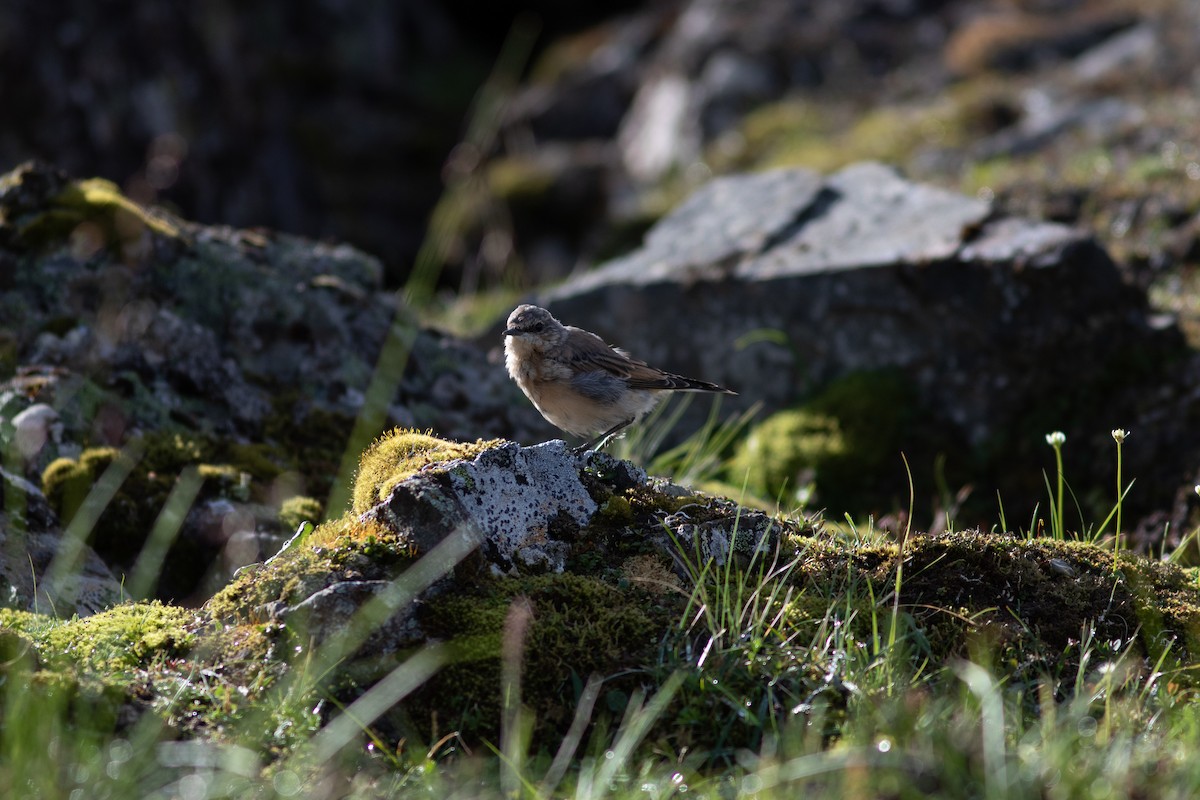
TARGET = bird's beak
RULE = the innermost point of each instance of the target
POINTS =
(512, 332)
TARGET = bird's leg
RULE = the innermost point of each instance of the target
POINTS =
(603, 439)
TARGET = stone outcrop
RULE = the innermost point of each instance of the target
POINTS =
(511, 511)
(779, 283)
(864, 270)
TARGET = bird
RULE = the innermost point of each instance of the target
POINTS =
(580, 383)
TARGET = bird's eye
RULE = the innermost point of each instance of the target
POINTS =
(538, 327)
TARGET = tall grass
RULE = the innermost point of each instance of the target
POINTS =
(805, 688)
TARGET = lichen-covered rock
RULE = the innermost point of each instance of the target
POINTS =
(507, 511)
(749, 535)
(523, 505)
(209, 327)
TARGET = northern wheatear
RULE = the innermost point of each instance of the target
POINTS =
(579, 383)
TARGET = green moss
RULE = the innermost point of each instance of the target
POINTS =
(305, 439)
(120, 639)
(328, 554)
(300, 509)
(846, 441)
(616, 510)
(65, 483)
(577, 626)
(259, 459)
(399, 454)
(122, 527)
(774, 458)
(1029, 599)
(827, 137)
(96, 201)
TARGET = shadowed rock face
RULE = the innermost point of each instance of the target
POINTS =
(777, 283)
(36, 572)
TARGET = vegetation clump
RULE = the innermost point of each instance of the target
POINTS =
(156, 462)
(297, 510)
(843, 443)
(96, 205)
(113, 642)
(576, 627)
(400, 454)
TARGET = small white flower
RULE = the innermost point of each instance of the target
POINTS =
(1056, 439)
(1119, 435)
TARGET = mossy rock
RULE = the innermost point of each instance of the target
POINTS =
(120, 530)
(52, 208)
(846, 441)
(577, 627)
(328, 554)
(400, 454)
(297, 510)
(299, 437)
(1029, 600)
(118, 640)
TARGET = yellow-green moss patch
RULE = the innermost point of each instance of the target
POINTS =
(842, 441)
(123, 638)
(122, 527)
(97, 202)
(401, 453)
(296, 510)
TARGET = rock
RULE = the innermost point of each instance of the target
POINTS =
(668, 81)
(521, 504)
(1136, 49)
(247, 351)
(33, 576)
(661, 131)
(748, 535)
(34, 428)
(1018, 40)
(529, 508)
(211, 325)
(776, 284)
(242, 134)
(1047, 117)
(540, 517)
(327, 612)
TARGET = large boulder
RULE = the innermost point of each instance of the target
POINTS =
(779, 283)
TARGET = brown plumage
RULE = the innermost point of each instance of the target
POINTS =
(581, 384)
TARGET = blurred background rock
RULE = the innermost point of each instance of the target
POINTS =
(323, 118)
(340, 119)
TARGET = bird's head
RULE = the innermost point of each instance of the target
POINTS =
(534, 327)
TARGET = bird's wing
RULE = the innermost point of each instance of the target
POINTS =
(585, 351)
